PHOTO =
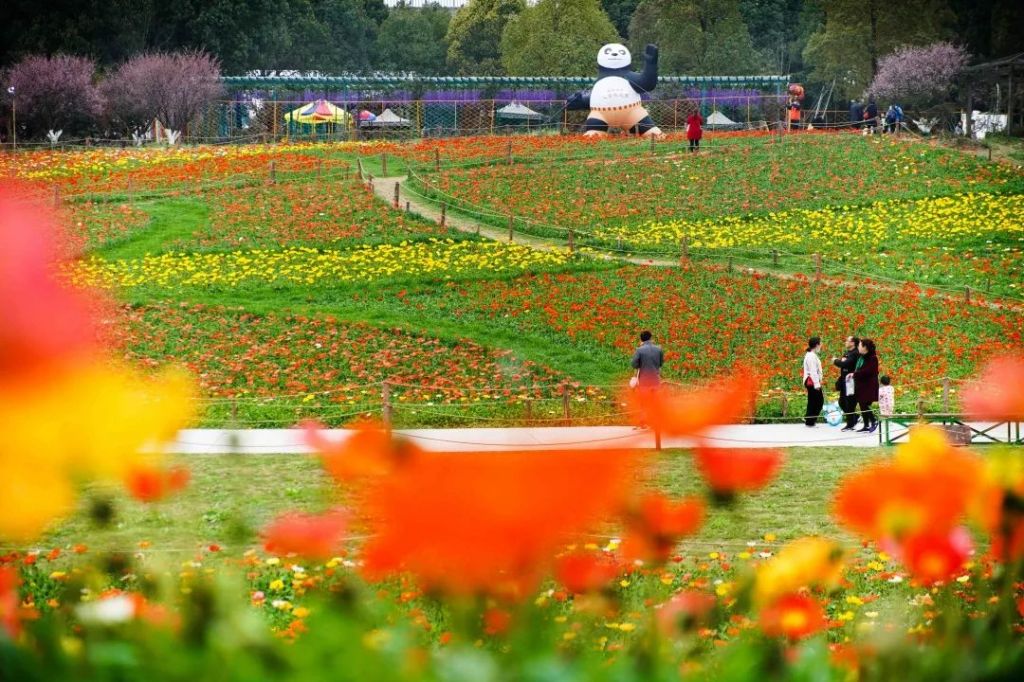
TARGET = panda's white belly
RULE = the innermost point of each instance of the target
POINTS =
(613, 92)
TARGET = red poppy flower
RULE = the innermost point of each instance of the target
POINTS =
(793, 616)
(582, 572)
(732, 470)
(496, 621)
(148, 483)
(313, 536)
(656, 524)
(997, 394)
(936, 557)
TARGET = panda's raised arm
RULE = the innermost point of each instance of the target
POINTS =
(646, 80)
(578, 101)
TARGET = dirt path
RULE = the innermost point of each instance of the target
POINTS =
(385, 189)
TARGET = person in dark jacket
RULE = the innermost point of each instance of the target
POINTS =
(871, 115)
(846, 365)
(856, 113)
(647, 361)
(865, 383)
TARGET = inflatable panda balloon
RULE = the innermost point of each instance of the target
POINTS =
(615, 100)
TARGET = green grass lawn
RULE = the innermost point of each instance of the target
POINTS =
(231, 497)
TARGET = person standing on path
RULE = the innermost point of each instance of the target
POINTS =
(694, 131)
(846, 365)
(812, 381)
(865, 383)
(647, 361)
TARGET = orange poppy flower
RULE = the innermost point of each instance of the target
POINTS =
(997, 394)
(582, 572)
(793, 616)
(936, 557)
(732, 470)
(313, 536)
(472, 522)
(148, 483)
(657, 523)
(676, 412)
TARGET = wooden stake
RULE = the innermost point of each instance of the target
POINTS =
(817, 266)
(920, 409)
(384, 164)
(967, 294)
(730, 263)
(56, 196)
(385, 404)
(785, 406)
(565, 404)
(945, 395)
(509, 153)
(511, 229)
(397, 190)
(359, 168)
(529, 410)
(407, 207)
(775, 258)
(684, 244)
(570, 241)
(437, 159)
(444, 211)
(273, 173)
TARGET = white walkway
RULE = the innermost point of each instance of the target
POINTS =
(289, 441)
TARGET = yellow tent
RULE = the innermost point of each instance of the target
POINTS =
(320, 111)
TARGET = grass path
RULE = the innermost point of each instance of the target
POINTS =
(170, 220)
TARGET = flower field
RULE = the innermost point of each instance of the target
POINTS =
(307, 266)
(865, 205)
(207, 287)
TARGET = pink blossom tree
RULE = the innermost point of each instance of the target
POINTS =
(919, 76)
(171, 87)
(53, 93)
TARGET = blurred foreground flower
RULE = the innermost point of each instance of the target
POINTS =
(732, 470)
(689, 412)
(656, 524)
(804, 563)
(997, 395)
(313, 536)
(67, 413)
(793, 616)
(471, 522)
(937, 557)
(582, 572)
(9, 622)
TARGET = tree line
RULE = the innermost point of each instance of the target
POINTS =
(816, 40)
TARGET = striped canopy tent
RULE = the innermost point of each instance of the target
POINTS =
(320, 111)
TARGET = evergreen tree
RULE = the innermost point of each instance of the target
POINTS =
(412, 40)
(474, 36)
(857, 33)
(620, 12)
(696, 37)
(556, 38)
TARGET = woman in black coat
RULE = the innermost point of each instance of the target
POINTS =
(865, 383)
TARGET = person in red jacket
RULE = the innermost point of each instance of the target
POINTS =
(694, 131)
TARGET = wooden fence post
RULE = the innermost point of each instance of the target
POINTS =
(508, 154)
(407, 207)
(444, 214)
(369, 182)
(684, 244)
(817, 266)
(730, 263)
(131, 197)
(319, 168)
(945, 395)
(565, 405)
(385, 404)
(437, 159)
(56, 196)
(967, 294)
(359, 168)
(273, 173)
(397, 196)
(529, 410)
(775, 258)
(511, 228)
(785, 406)
(384, 164)
(920, 409)
(570, 240)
